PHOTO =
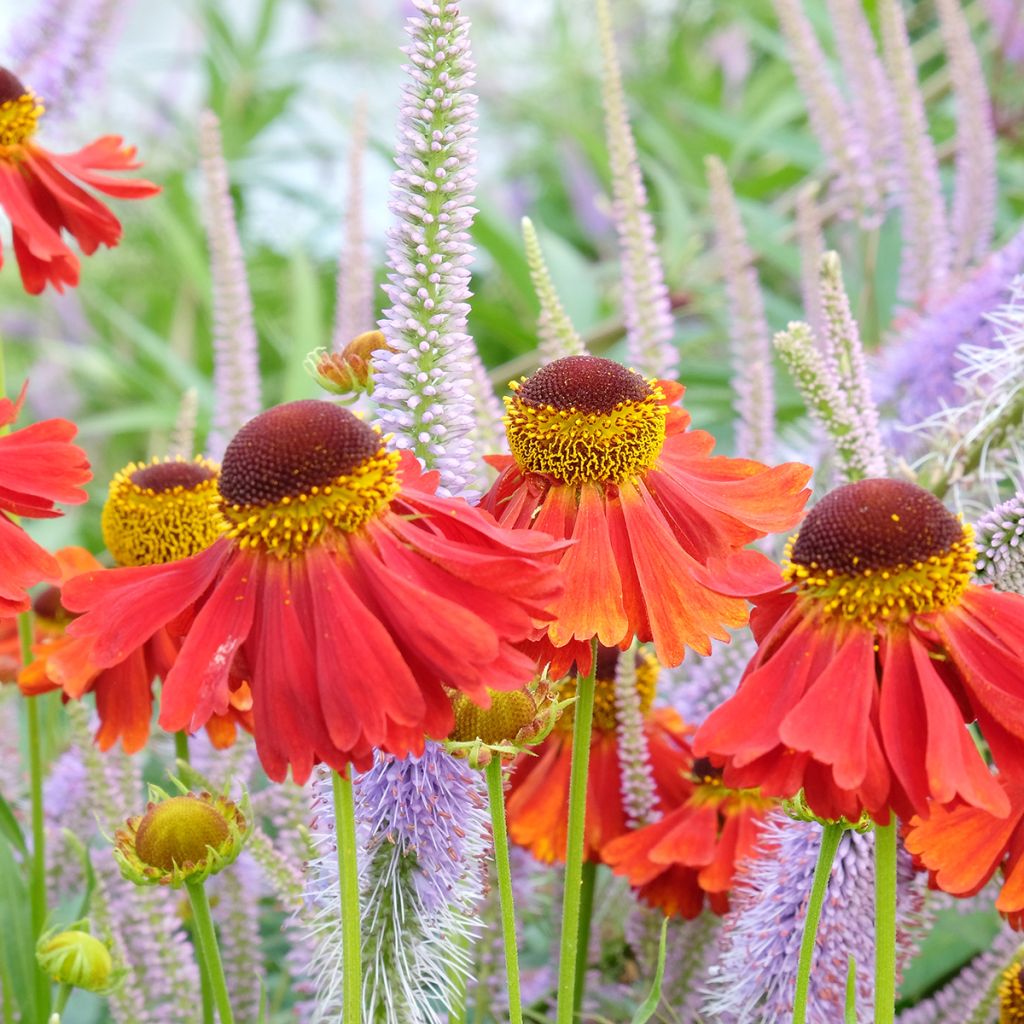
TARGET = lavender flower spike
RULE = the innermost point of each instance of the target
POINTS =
(812, 248)
(423, 386)
(926, 243)
(354, 302)
(183, 438)
(645, 299)
(999, 536)
(749, 337)
(841, 137)
(557, 335)
(639, 797)
(236, 378)
(974, 192)
(755, 976)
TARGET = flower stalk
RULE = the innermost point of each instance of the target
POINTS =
(885, 922)
(208, 951)
(348, 879)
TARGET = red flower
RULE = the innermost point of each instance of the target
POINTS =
(693, 851)
(538, 796)
(38, 467)
(39, 196)
(868, 670)
(353, 593)
(600, 456)
(964, 846)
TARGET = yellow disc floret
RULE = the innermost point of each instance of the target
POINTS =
(1011, 996)
(161, 511)
(583, 418)
(647, 669)
(880, 551)
(297, 472)
(20, 111)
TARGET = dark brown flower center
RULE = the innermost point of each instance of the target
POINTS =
(293, 449)
(875, 524)
(165, 476)
(11, 87)
(585, 383)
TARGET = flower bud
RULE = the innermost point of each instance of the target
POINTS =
(349, 371)
(76, 958)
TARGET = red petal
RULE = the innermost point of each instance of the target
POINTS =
(124, 703)
(23, 563)
(107, 153)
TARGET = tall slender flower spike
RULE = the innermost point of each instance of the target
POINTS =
(636, 776)
(40, 198)
(1000, 539)
(974, 191)
(749, 337)
(354, 292)
(38, 467)
(329, 540)
(601, 456)
(555, 331)
(183, 438)
(927, 247)
(754, 977)
(881, 621)
(842, 138)
(811, 241)
(236, 377)
(645, 299)
(423, 385)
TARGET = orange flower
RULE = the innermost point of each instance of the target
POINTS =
(965, 846)
(869, 668)
(692, 852)
(601, 456)
(538, 797)
(39, 196)
(38, 467)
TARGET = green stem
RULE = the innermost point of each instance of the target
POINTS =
(205, 990)
(583, 932)
(348, 880)
(885, 922)
(830, 836)
(569, 949)
(209, 951)
(181, 746)
(851, 993)
(63, 995)
(460, 1011)
(496, 798)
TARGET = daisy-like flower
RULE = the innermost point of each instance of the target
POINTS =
(155, 512)
(870, 665)
(39, 194)
(350, 593)
(601, 455)
(963, 847)
(692, 851)
(38, 467)
(538, 796)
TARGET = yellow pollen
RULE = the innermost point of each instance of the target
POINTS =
(143, 525)
(891, 593)
(295, 522)
(575, 446)
(604, 695)
(19, 119)
(1011, 996)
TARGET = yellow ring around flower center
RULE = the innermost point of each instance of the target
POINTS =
(296, 522)
(151, 525)
(1011, 996)
(19, 119)
(604, 695)
(887, 594)
(575, 446)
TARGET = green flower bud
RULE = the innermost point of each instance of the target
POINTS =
(76, 958)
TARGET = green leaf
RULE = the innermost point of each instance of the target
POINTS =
(646, 1009)
(19, 944)
(10, 829)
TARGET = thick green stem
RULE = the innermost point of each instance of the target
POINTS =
(496, 798)
(209, 951)
(181, 746)
(348, 882)
(583, 933)
(830, 837)
(205, 992)
(63, 995)
(569, 949)
(885, 922)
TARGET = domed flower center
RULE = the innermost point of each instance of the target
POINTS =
(300, 469)
(178, 831)
(604, 689)
(1011, 996)
(881, 550)
(161, 511)
(583, 418)
(502, 722)
(20, 111)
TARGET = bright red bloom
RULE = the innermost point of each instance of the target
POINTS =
(354, 594)
(601, 456)
(868, 670)
(965, 846)
(538, 796)
(38, 467)
(692, 852)
(39, 196)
